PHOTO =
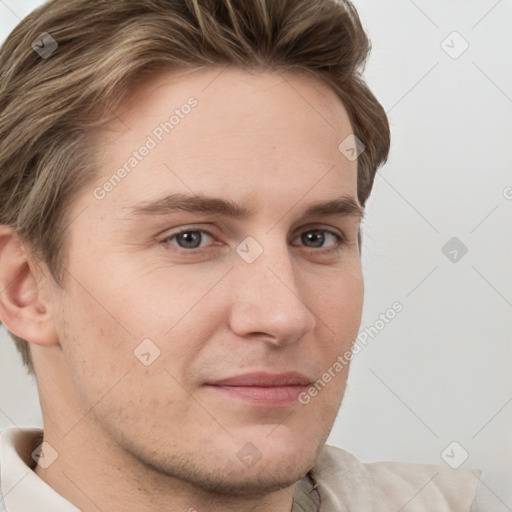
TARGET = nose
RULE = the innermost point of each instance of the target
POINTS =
(268, 301)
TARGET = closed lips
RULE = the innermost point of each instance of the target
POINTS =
(265, 379)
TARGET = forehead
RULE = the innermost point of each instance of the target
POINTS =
(228, 131)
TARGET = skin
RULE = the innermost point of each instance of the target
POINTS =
(159, 437)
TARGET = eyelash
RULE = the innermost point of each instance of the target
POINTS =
(340, 240)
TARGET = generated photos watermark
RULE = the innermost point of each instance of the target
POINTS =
(152, 141)
(344, 359)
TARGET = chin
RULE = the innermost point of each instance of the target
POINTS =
(273, 461)
(264, 477)
(243, 466)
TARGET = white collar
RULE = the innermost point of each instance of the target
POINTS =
(21, 488)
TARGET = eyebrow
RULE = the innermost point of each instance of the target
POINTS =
(342, 207)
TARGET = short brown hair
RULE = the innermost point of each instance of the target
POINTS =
(50, 107)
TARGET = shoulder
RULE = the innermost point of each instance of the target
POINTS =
(345, 483)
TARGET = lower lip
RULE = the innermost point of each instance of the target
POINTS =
(278, 396)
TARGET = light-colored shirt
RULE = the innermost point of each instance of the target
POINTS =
(344, 483)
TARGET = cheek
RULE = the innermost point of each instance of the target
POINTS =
(108, 380)
(112, 320)
(96, 341)
(339, 309)
(339, 301)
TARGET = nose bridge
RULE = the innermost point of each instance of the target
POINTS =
(268, 296)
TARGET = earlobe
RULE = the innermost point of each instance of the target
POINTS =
(22, 309)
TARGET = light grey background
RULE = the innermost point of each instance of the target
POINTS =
(440, 371)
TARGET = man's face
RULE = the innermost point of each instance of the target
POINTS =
(271, 292)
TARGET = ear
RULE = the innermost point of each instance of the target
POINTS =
(22, 306)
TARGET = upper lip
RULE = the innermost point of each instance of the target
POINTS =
(265, 379)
